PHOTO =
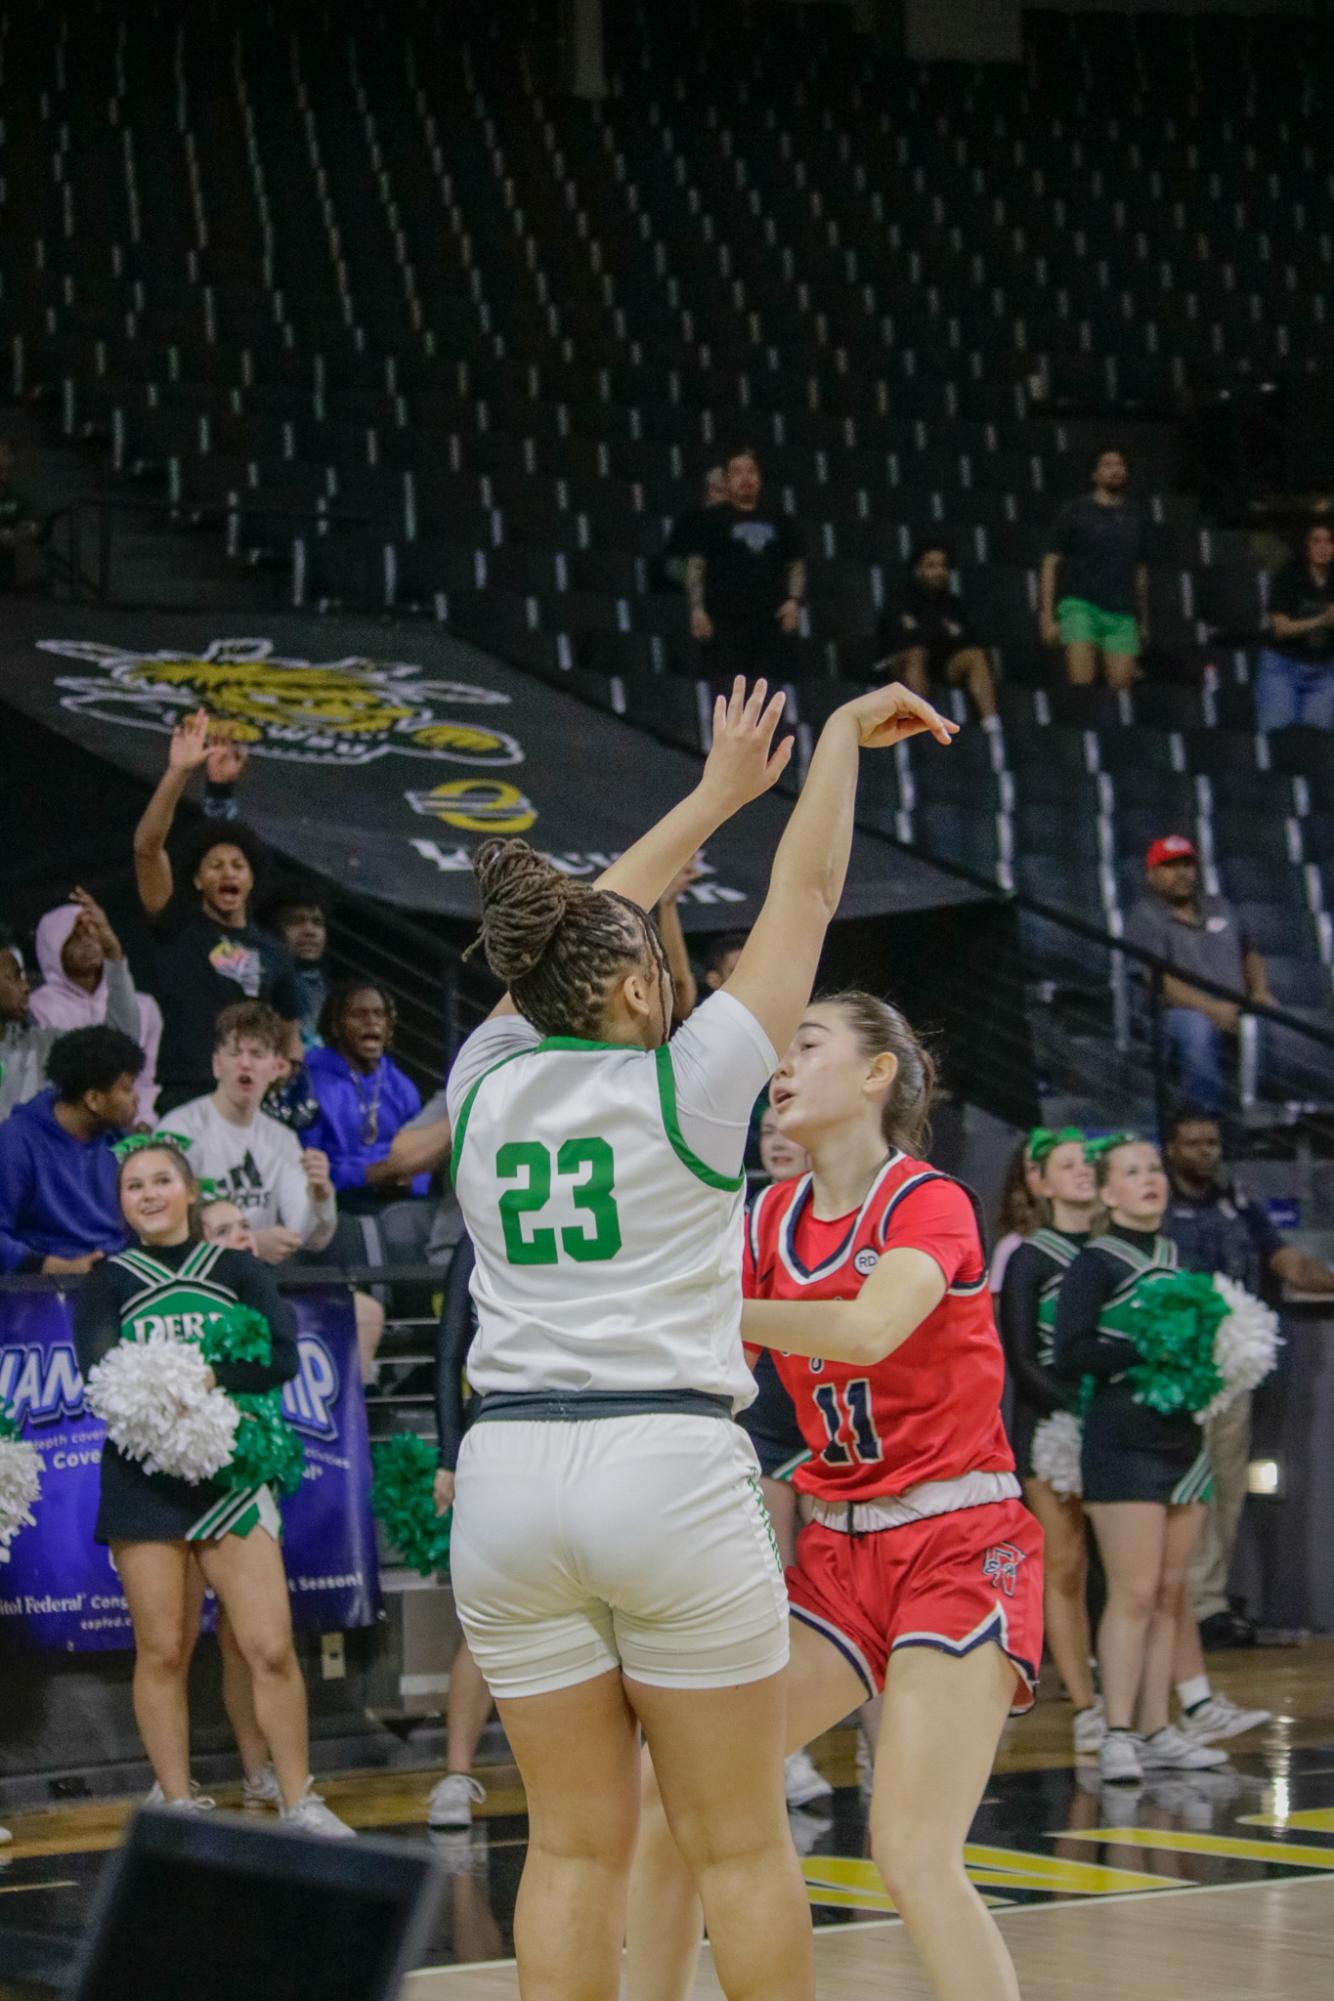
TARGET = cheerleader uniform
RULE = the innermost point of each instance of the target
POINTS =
(1130, 1452)
(919, 1537)
(1033, 1277)
(141, 1293)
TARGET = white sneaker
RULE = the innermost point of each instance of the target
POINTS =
(311, 1816)
(1219, 1716)
(802, 1783)
(198, 1798)
(197, 1803)
(1090, 1728)
(5, 1835)
(261, 1788)
(453, 1799)
(1118, 1759)
(1168, 1751)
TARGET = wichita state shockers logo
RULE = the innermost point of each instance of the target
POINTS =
(343, 712)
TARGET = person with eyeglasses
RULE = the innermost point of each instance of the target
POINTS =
(364, 1097)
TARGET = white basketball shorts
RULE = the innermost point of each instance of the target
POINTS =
(641, 1543)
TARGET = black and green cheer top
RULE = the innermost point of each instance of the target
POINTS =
(122, 1298)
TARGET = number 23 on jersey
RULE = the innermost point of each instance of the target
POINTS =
(587, 1169)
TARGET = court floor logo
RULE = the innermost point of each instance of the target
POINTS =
(342, 712)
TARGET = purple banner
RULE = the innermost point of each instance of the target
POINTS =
(59, 1588)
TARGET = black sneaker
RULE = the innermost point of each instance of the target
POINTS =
(1223, 1630)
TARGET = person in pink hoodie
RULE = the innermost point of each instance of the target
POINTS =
(73, 993)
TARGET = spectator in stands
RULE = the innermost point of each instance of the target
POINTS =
(207, 952)
(1202, 935)
(925, 634)
(221, 1222)
(687, 528)
(1217, 1228)
(76, 987)
(720, 957)
(745, 578)
(684, 990)
(1294, 681)
(284, 1192)
(59, 1210)
(298, 917)
(21, 562)
(364, 1097)
(1095, 583)
(25, 1044)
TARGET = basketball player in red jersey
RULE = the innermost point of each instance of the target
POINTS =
(921, 1571)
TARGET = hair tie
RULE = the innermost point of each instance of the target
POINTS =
(1096, 1148)
(136, 1142)
(1043, 1140)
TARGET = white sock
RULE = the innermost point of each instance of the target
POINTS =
(1190, 1694)
(991, 723)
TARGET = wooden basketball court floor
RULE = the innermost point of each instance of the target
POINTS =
(1218, 1886)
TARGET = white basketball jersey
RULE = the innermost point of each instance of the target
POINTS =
(608, 1253)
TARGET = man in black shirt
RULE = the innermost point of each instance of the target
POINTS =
(745, 579)
(1217, 1228)
(925, 635)
(1294, 681)
(1098, 553)
(207, 953)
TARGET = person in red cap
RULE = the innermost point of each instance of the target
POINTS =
(1200, 935)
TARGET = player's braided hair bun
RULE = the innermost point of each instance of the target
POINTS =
(556, 944)
(524, 903)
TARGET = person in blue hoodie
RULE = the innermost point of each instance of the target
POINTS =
(59, 1210)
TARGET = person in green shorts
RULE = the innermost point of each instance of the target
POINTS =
(1094, 589)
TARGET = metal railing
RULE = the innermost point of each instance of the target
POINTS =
(84, 538)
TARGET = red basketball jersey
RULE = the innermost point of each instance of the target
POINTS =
(931, 1410)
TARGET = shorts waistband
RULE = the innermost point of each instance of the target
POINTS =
(555, 1407)
(918, 1504)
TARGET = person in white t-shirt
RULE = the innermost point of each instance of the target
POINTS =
(286, 1195)
(613, 1564)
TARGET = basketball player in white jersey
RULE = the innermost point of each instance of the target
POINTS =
(612, 1559)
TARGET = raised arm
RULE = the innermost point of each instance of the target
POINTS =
(152, 869)
(776, 971)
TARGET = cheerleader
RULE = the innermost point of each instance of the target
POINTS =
(921, 1571)
(1146, 1474)
(1065, 1187)
(157, 1525)
(1019, 1214)
(611, 1555)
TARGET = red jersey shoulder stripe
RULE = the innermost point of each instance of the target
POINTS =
(787, 1228)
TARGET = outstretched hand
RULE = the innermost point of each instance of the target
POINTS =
(743, 762)
(99, 921)
(887, 715)
(189, 743)
(226, 761)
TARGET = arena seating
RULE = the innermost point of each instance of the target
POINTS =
(507, 331)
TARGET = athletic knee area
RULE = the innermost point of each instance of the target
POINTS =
(1133, 1598)
(912, 1865)
(1065, 1571)
(270, 1656)
(1171, 1591)
(165, 1655)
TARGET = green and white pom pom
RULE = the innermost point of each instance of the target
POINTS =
(1177, 1318)
(1057, 1448)
(403, 1470)
(156, 1403)
(1246, 1344)
(20, 1481)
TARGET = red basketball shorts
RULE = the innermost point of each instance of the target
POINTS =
(953, 1582)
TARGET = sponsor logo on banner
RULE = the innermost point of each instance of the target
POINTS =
(476, 806)
(343, 712)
